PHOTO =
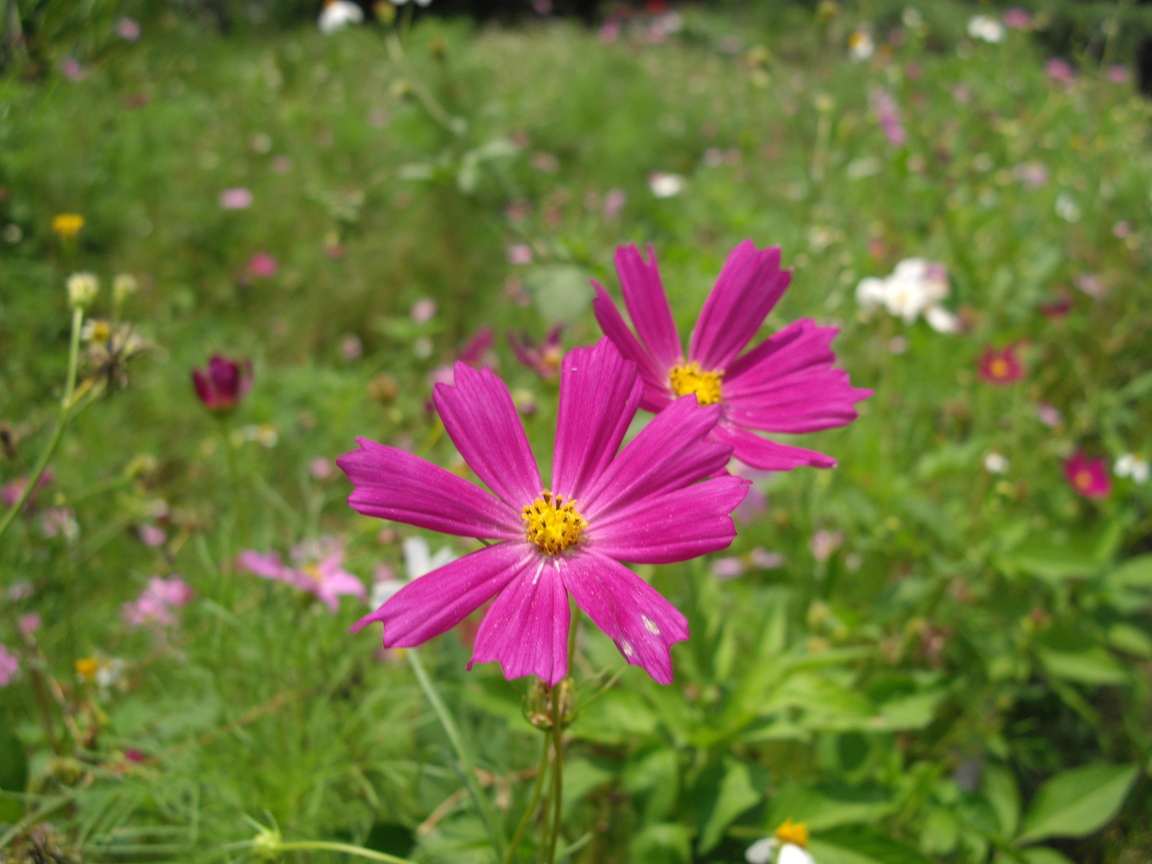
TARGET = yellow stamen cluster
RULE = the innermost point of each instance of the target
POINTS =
(793, 832)
(999, 368)
(312, 571)
(67, 225)
(687, 378)
(1083, 480)
(552, 523)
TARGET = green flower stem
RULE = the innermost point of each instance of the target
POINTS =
(346, 848)
(462, 753)
(533, 802)
(66, 406)
(557, 769)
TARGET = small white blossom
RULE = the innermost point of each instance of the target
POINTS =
(665, 185)
(82, 288)
(988, 29)
(1132, 466)
(916, 287)
(338, 14)
(995, 463)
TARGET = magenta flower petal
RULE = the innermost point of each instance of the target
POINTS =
(481, 419)
(268, 565)
(767, 455)
(392, 484)
(526, 627)
(643, 624)
(668, 454)
(674, 526)
(657, 394)
(749, 285)
(333, 582)
(648, 305)
(599, 394)
(438, 601)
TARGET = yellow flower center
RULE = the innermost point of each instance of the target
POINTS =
(1083, 480)
(86, 668)
(687, 378)
(793, 832)
(552, 523)
(67, 224)
(999, 368)
(312, 571)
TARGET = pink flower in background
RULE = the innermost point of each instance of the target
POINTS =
(1060, 70)
(544, 357)
(11, 491)
(1016, 18)
(657, 500)
(236, 198)
(475, 352)
(614, 202)
(71, 69)
(224, 383)
(152, 536)
(59, 522)
(423, 310)
(1049, 415)
(519, 253)
(155, 605)
(320, 468)
(1118, 74)
(318, 570)
(1089, 477)
(785, 384)
(127, 29)
(262, 266)
(888, 114)
(1000, 365)
(29, 624)
(9, 666)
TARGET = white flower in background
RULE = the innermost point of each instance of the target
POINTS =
(988, 29)
(861, 46)
(916, 287)
(418, 560)
(1067, 208)
(995, 463)
(665, 185)
(787, 846)
(82, 289)
(1132, 466)
(338, 14)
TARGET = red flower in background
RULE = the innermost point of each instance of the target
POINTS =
(224, 383)
(1001, 366)
(1089, 477)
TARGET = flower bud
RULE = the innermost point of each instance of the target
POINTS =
(82, 288)
(123, 287)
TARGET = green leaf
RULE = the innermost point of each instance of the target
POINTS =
(1092, 665)
(1133, 573)
(998, 786)
(1129, 639)
(940, 831)
(825, 806)
(1077, 802)
(663, 843)
(561, 292)
(653, 779)
(735, 795)
(860, 845)
(1044, 855)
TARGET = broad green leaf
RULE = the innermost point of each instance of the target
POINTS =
(998, 786)
(825, 806)
(1044, 855)
(860, 845)
(1093, 665)
(940, 831)
(654, 779)
(663, 843)
(1130, 640)
(1133, 573)
(735, 795)
(580, 777)
(616, 717)
(561, 292)
(1077, 802)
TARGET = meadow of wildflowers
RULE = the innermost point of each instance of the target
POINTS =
(343, 323)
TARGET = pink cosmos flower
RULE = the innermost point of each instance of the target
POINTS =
(1118, 74)
(9, 666)
(262, 265)
(1089, 477)
(888, 113)
(319, 570)
(543, 358)
(785, 384)
(156, 602)
(656, 501)
(1000, 365)
(236, 198)
(1017, 18)
(224, 383)
(1060, 70)
(127, 28)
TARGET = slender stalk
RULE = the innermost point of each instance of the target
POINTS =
(557, 769)
(533, 802)
(346, 848)
(66, 406)
(462, 752)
